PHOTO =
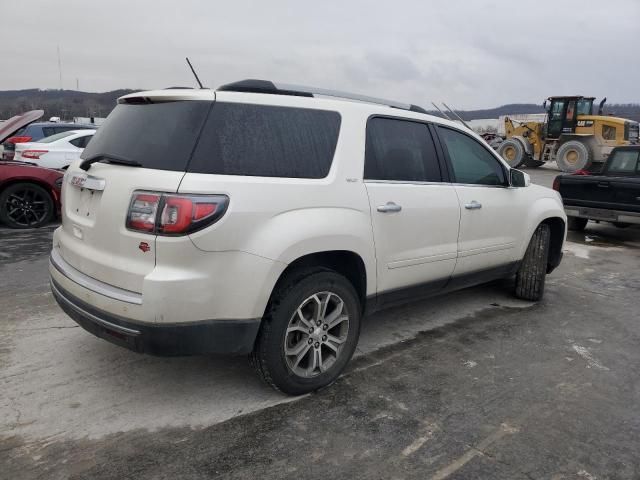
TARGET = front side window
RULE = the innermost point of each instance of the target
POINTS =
(266, 141)
(624, 162)
(557, 110)
(472, 163)
(400, 150)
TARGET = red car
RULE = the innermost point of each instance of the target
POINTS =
(29, 195)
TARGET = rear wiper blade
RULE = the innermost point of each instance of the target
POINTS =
(86, 164)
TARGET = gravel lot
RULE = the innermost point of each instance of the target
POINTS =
(475, 384)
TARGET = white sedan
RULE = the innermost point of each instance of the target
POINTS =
(56, 151)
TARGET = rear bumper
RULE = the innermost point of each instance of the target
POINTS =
(602, 214)
(202, 337)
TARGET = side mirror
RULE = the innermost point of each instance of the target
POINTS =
(518, 178)
(544, 104)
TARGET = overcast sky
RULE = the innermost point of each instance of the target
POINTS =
(469, 53)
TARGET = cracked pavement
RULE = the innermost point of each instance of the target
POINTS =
(472, 385)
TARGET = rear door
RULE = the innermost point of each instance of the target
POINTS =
(93, 237)
(414, 214)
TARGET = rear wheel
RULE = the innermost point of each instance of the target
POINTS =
(533, 269)
(309, 333)
(573, 156)
(25, 205)
(576, 224)
(513, 152)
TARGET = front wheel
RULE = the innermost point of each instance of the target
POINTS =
(309, 333)
(533, 269)
(25, 205)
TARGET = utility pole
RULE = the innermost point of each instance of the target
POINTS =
(77, 84)
(59, 66)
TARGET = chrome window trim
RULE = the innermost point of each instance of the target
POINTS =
(450, 184)
(92, 284)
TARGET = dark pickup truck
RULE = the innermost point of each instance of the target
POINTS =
(613, 195)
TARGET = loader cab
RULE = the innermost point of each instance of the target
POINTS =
(562, 114)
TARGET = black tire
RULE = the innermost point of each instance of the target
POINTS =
(268, 356)
(26, 205)
(531, 163)
(533, 269)
(513, 152)
(576, 224)
(621, 225)
(573, 156)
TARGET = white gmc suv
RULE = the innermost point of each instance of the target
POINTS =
(265, 219)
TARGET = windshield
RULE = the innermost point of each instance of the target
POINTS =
(156, 135)
(55, 137)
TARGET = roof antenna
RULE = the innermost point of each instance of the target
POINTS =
(194, 73)
(457, 116)
(441, 112)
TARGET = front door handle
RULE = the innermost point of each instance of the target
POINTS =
(473, 205)
(389, 207)
(603, 184)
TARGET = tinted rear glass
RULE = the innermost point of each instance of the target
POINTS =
(158, 135)
(266, 141)
(56, 137)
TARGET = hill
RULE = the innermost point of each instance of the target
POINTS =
(70, 103)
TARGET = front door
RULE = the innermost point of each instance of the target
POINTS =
(492, 220)
(414, 215)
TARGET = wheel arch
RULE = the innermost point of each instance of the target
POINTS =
(558, 233)
(345, 262)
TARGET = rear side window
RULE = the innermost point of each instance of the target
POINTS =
(400, 150)
(266, 141)
(156, 135)
(80, 142)
(471, 161)
(624, 162)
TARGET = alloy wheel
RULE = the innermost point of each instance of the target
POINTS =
(316, 334)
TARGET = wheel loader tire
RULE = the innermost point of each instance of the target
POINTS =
(513, 151)
(573, 156)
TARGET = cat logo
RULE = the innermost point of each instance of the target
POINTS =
(585, 123)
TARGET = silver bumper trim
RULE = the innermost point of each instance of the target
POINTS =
(92, 284)
(91, 316)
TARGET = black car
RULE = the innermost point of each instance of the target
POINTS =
(612, 195)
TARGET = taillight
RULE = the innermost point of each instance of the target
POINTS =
(34, 154)
(174, 214)
(582, 172)
(556, 183)
(19, 139)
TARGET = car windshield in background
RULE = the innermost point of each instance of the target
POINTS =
(157, 135)
(56, 137)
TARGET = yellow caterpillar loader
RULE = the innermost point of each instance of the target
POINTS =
(571, 135)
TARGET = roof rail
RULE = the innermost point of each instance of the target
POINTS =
(265, 86)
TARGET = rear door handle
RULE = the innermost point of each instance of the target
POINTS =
(473, 205)
(603, 184)
(389, 207)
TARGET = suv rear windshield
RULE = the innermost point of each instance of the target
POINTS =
(156, 135)
(267, 141)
